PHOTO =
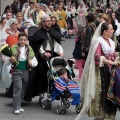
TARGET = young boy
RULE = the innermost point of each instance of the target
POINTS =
(24, 54)
(66, 87)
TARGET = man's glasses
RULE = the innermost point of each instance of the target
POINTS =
(47, 21)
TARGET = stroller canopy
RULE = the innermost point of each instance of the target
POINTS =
(58, 61)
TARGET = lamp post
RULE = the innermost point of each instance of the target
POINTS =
(108, 3)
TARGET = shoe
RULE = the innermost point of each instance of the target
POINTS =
(66, 37)
(17, 111)
(69, 36)
(21, 110)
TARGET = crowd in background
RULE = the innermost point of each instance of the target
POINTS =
(70, 18)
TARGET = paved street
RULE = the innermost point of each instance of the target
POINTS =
(33, 111)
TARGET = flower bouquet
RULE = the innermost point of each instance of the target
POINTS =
(5, 50)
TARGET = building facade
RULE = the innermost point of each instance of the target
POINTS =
(4, 3)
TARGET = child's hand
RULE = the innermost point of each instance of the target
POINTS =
(12, 60)
(30, 64)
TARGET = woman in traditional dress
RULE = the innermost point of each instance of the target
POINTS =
(2, 23)
(62, 20)
(80, 19)
(46, 9)
(10, 37)
(5, 75)
(5, 78)
(11, 32)
(25, 7)
(53, 12)
(2, 42)
(96, 75)
(69, 20)
(22, 25)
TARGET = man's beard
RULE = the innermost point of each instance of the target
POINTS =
(47, 27)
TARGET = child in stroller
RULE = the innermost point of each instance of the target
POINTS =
(57, 68)
(66, 88)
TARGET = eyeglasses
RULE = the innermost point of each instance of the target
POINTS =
(47, 21)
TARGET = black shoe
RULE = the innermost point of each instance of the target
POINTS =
(66, 37)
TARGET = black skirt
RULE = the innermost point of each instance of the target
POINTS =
(107, 105)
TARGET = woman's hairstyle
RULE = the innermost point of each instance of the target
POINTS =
(7, 8)
(54, 18)
(90, 17)
(22, 34)
(19, 13)
(62, 71)
(2, 19)
(106, 17)
(104, 27)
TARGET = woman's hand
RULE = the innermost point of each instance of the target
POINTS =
(3, 58)
(105, 61)
(116, 63)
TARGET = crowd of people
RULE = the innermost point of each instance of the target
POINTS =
(96, 51)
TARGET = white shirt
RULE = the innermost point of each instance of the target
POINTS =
(22, 56)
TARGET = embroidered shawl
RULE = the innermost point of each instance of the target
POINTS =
(16, 52)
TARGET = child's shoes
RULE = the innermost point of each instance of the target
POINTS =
(17, 111)
(21, 110)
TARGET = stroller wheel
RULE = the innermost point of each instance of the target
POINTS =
(58, 110)
(48, 104)
(67, 104)
(63, 109)
(77, 109)
(44, 104)
(40, 101)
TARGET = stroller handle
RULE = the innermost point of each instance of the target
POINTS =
(47, 61)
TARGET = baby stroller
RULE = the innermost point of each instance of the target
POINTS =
(56, 64)
(71, 63)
